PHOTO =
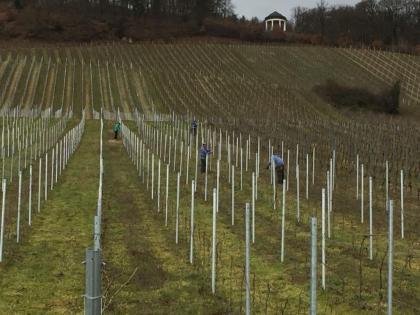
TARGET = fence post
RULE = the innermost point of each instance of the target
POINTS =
(247, 266)
(390, 254)
(93, 295)
(313, 266)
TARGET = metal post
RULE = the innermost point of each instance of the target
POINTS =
(297, 194)
(233, 195)
(390, 254)
(402, 204)
(283, 220)
(323, 238)
(3, 210)
(357, 177)
(362, 195)
(177, 207)
(192, 223)
(386, 185)
(247, 265)
(166, 194)
(370, 221)
(30, 197)
(93, 295)
(313, 266)
(213, 252)
(18, 208)
(253, 206)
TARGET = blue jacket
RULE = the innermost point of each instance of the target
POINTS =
(194, 125)
(277, 161)
(203, 152)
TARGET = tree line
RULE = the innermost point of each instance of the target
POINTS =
(377, 22)
(186, 9)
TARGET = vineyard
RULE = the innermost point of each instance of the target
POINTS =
(229, 240)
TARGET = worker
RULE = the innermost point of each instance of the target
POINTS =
(117, 129)
(279, 167)
(194, 127)
(204, 151)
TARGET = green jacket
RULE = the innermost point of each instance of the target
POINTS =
(117, 127)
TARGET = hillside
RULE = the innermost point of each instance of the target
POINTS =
(250, 101)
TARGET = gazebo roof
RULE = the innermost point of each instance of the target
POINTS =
(275, 15)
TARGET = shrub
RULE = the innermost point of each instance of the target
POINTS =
(359, 98)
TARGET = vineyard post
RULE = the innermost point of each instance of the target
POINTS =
(170, 149)
(362, 194)
(233, 196)
(241, 167)
(177, 207)
(273, 181)
(390, 254)
(218, 184)
(175, 155)
(297, 194)
(196, 163)
(370, 221)
(313, 266)
(313, 166)
(148, 169)
(323, 237)
(307, 176)
(386, 185)
(236, 151)
(192, 223)
(52, 169)
(283, 221)
(328, 205)
(333, 170)
(213, 252)
(270, 159)
(229, 157)
(357, 177)
(256, 177)
(153, 175)
(206, 179)
(46, 177)
(166, 194)
(158, 188)
(247, 263)
(3, 209)
(188, 166)
(18, 208)
(57, 147)
(288, 168)
(30, 196)
(402, 204)
(253, 206)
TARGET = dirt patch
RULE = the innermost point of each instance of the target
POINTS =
(114, 142)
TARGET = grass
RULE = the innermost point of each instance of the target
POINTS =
(284, 287)
(44, 274)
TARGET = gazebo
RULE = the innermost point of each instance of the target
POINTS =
(275, 21)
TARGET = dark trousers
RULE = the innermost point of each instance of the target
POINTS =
(203, 165)
(194, 131)
(280, 174)
(116, 135)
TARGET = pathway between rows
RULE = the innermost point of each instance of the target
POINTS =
(45, 274)
(144, 267)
